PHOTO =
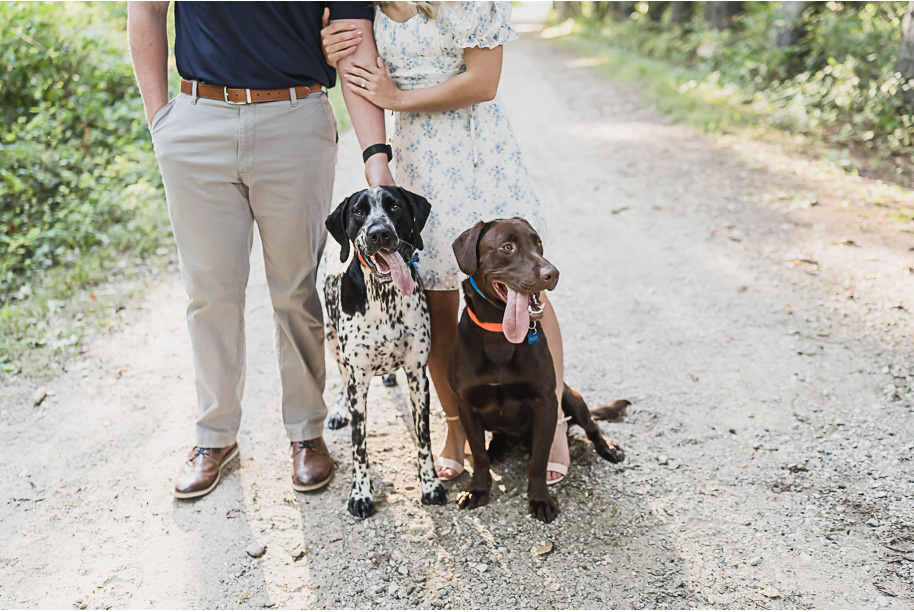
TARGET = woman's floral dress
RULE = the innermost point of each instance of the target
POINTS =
(466, 162)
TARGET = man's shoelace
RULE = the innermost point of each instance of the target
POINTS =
(201, 451)
(303, 444)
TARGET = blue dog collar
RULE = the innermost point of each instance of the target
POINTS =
(472, 282)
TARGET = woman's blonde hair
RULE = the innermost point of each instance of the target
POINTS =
(429, 9)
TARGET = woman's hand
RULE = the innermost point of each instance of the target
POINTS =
(338, 40)
(375, 85)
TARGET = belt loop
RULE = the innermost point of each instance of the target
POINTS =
(293, 97)
(194, 92)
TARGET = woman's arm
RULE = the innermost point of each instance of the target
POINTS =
(479, 83)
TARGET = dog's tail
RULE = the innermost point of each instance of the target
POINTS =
(574, 406)
(611, 412)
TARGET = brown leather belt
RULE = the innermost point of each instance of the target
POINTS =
(246, 96)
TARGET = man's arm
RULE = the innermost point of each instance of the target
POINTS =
(148, 37)
(367, 119)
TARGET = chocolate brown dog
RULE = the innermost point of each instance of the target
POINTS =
(500, 367)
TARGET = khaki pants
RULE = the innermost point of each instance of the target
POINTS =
(224, 167)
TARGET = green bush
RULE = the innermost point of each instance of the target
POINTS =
(80, 193)
(78, 172)
(836, 82)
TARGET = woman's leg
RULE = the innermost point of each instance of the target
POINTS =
(550, 325)
(442, 310)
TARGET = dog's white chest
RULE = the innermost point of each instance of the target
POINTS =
(393, 330)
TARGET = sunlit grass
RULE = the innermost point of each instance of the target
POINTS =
(675, 91)
(703, 101)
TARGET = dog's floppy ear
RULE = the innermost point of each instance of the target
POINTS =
(336, 225)
(420, 208)
(465, 248)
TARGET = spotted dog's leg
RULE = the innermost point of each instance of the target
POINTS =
(338, 418)
(433, 492)
(361, 504)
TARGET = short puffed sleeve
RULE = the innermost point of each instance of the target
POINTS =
(480, 24)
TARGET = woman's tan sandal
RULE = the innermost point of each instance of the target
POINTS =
(558, 467)
(443, 463)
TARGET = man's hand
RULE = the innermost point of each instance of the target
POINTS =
(338, 40)
(377, 171)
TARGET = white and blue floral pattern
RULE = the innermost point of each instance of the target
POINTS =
(466, 162)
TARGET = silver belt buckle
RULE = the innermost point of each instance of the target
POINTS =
(227, 101)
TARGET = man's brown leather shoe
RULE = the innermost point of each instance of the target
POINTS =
(201, 472)
(312, 465)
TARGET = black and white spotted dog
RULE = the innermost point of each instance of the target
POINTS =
(378, 321)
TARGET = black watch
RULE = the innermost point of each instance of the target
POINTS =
(377, 148)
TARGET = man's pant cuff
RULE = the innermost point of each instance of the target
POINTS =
(207, 438)
(309, 432)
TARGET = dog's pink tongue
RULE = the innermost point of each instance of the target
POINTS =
(517, 317)
(399, 273)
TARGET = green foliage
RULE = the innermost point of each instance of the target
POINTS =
(339, 108)
(79, 187)
(81, 200)
(837, 82)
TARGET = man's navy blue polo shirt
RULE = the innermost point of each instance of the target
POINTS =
(257, 45)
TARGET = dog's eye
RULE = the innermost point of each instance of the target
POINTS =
(394, 208)
(508, 247)
(539, 243)
(358, 212)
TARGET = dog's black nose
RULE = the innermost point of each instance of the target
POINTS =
(379, 235)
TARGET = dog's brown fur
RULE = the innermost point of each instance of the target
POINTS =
(507, 388)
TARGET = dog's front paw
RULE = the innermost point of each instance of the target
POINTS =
(361, 507)
(543, 509)
(435, 497)
(609, 450)
(469, 500)
(337, 421)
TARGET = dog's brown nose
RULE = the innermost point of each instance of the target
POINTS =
(550, 276)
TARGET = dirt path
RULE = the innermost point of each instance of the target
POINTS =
(769, 444)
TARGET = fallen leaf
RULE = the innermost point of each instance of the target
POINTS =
(543, 550)
(242, 598)
(770, 592)
(884, 590)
